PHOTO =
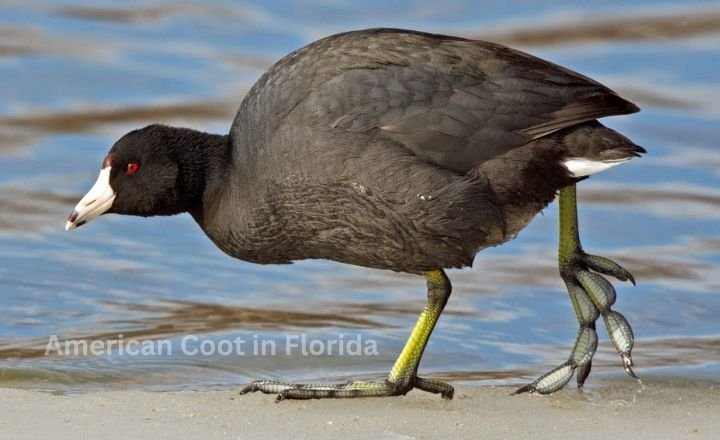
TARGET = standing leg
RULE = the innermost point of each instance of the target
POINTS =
(403, 375)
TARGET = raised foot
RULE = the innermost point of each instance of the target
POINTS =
(347, 390)
(591, 295)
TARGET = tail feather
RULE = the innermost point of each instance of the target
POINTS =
(591, 147)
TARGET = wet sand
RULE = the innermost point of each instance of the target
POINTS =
(618, 408)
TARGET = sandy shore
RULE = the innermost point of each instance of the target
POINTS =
(661, 409)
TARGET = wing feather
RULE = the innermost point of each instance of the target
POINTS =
(452, 101)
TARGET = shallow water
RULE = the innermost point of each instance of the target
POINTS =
(76, 75)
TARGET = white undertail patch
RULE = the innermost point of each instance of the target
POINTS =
(580, 167)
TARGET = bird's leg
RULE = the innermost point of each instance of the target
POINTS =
(403, 376)
(591, 295)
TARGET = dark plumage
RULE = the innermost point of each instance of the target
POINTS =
(382, 148)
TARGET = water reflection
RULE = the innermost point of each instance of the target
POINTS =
(583, 30)
(177, 318)
(82, 121)
(27, 211)
(148, 13)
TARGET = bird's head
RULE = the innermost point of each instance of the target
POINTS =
(156, 170)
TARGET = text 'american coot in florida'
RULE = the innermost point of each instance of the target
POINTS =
(397, 150)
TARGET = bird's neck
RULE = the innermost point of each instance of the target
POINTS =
(203, 159)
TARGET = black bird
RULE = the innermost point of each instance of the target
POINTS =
(390, 149)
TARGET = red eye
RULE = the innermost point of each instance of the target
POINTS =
(132, 168)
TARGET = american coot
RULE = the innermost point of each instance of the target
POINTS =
(390, 149)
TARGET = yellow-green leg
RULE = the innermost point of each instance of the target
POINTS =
(591, 295)
(403, 375)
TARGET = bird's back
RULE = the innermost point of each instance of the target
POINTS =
(451, 101)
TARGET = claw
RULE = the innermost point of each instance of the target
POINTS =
(435, 386)
(251, 388)
(607, 266)
(628, 364)
(529, 388)
(583, 372)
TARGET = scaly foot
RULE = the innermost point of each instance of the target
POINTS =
(591, 295)
(347, 390)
